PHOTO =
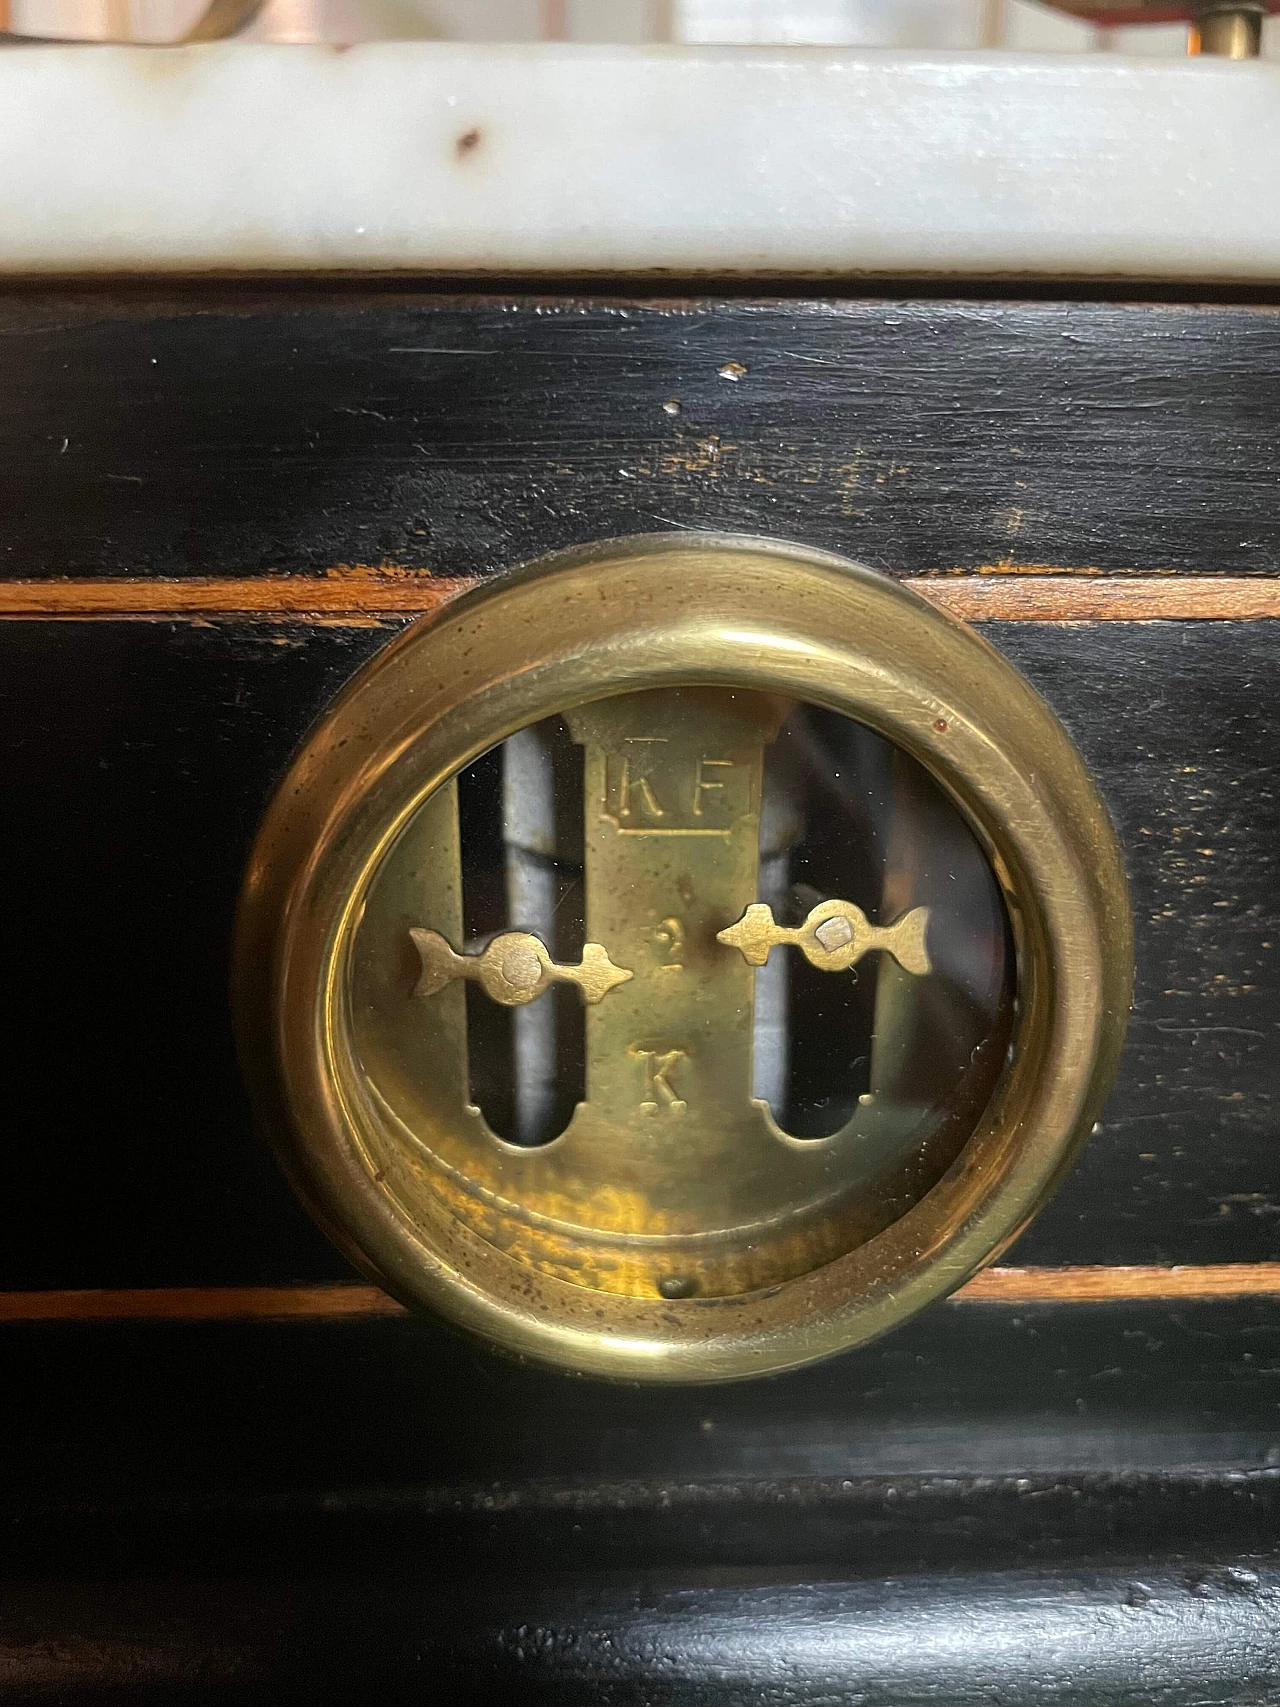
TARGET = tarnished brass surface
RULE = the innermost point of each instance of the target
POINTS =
(1230, 29)
(514, 969)
(1229, 32)
(671, 1179)
(835, 936)
(672, 1231)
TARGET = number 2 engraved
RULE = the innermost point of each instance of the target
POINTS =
(670, 936)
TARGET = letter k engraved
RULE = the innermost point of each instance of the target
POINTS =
(642, 788)
(659, 1093)
(668, 1133)
(669, 1137)
(668, 1167)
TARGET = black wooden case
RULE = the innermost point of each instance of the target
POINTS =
(230, 1473)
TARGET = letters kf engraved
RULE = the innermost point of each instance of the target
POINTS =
(657, 891)
(653, 785)
(668, 1143)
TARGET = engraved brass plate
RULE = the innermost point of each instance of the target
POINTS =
(675, 1228)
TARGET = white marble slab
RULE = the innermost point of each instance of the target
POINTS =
(471, 158)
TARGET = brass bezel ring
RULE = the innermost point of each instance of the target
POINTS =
(666, 611)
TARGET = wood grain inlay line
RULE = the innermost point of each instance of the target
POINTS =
(199, 1304)
(361, 593)
(347, 1301)
(1102, 598)
(1099, 1285)
(354, 592)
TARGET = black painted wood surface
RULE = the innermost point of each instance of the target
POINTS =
(996, 1504)
(366, 1430)
(1094, 1634)
(138, 757)
(232, 434)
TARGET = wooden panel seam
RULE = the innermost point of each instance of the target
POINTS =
(346, 1301)
(360, 593)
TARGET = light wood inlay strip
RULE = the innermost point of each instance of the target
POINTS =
(360, 593)
(1098, 1285)
(348, 1301)
(1102, 598)
(357, 591)
(200, 1304)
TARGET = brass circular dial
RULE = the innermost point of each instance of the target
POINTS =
(678, 1225)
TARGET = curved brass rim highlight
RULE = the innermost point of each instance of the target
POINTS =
(651, 612)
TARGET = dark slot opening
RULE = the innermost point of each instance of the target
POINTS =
(520, 821)
(819, 838)
(847, 814)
